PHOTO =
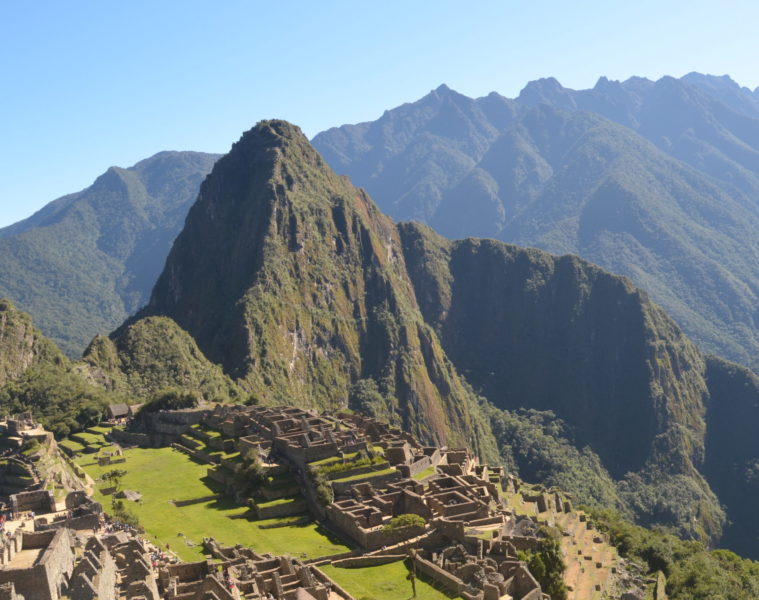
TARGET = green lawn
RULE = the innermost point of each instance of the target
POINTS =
(90, 438)
(426, 473)
(164, 474)
(100, 429)
(71, 445)
(277, 502)
(365, 475)
(332, 459)
(386, 582)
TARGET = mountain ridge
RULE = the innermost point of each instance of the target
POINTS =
(86, 261)
(602, 165)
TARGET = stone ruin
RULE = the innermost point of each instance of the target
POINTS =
(38, 564)
(458, 498)
(239, 572)
(479, 571)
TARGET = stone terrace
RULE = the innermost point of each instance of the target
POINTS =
(240, 573)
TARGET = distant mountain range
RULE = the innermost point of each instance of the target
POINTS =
(86, 261)
(658, 181)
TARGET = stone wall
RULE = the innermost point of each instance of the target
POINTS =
(284, 509)
(341, 488)
(94, 577)
(368, 561)
(366, 469)
(8, 592)
(39, 501)
(45, 579)
(439, 575)
(128, 438)
(76, 523)
(319, 575)
(209, 498)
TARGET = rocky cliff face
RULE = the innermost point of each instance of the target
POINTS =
(557, 333)
(22, 345)
(533, 330)
(732, 450)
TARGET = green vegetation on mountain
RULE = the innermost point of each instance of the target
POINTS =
(732, 450)
(692, 571)
(152, 355)
(61, 400)
(531, 330)
(85, 262)
(35, 376)
(654, 180)
(535, 447)
(22, 345)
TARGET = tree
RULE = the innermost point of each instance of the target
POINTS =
(114, 477)
(547, 564)
(250, 475)
(365, 397)
(171, 399)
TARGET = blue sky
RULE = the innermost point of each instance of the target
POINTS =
(86, 85)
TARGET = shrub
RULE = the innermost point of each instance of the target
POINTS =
(171, 399)
(322, 487)
(405, 521)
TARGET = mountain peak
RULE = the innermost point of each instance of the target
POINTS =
(547, 90)
(271, 133)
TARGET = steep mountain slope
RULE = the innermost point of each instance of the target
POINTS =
(555, 333)
(293, 281)
(86, 261)
(677, 214)
(22, 345)
(36, 376)
(732, 450)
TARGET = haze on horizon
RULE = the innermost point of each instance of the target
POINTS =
(92, 85)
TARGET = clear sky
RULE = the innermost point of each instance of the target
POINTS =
(89, 84)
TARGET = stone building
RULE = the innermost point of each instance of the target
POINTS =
(94, 576)
(239, 572)
(39, 564)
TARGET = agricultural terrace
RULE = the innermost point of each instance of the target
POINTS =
(384, 582)
(162, 475)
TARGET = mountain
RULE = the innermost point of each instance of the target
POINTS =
(291, 280)
(36, 376)
(86, 261)
(657, 181)
(22, 346)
